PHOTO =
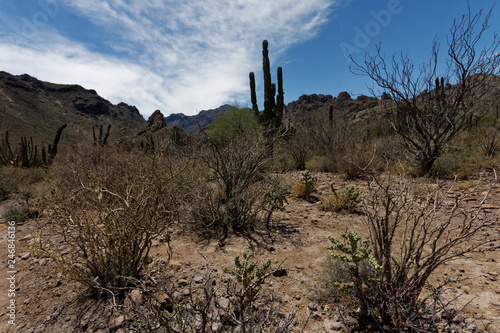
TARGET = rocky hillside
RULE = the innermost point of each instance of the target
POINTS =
(31, 107)
(342, 105)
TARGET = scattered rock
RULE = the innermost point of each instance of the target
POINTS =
(224, 303)
(26, 238)
(164, 300)
(313, 306)
(182, 282)
(134, 298)
(471, 327)
(25, 256)
(336, 326)
(198, 279)
(299, 266)
(118, 321)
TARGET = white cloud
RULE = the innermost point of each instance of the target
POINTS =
(183, 56)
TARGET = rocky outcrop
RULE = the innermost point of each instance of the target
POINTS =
(156, 121)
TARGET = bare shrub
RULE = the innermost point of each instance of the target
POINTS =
(239, 196)
(107, 208)
(412, 235)
(429, 111)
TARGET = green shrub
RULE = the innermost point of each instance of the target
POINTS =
(359, 281)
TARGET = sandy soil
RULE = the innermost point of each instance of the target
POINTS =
(48, 303)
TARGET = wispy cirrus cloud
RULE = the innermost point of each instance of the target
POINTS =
(177, 56)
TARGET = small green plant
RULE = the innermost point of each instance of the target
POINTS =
(467, 185)
(346, 200)
(275, 197)
(250, 276)
(354, 253)
(306, 186)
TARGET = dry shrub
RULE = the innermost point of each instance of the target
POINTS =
(239, 196)
(233, 301)
(348, 200)
(16, 180)
(413, 235)
(108, 207)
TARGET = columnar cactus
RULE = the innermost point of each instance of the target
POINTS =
(273, 110)
(25, 156)
(101, 141)
(52, 149)
(29, 152)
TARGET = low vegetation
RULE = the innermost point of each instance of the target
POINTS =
(105, 206)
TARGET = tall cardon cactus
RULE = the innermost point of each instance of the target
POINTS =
(272, 114)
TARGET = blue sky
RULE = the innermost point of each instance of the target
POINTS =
(191, 55)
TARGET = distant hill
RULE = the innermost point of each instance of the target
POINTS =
(203, 118)
(342, 105)
(30, 107)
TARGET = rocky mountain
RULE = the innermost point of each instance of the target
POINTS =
(342, 105)
(203, 118)
(30, 107)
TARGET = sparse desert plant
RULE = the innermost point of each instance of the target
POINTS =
(357, 256)
(306, 185)
(411, 237)
(216, 302)
(275, 197)
(348, 199)
(467, 185)
(108, 207)
(234, 198)
(428, 111)
(16, 213)
(249, 279)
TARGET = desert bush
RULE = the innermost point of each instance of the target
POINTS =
(14, 181)
(249, 279)
(306, 185)
(16, 213)
(348, 199)
(428, 112)
(356, 272)
(411, 236)
(239, 196)
(228, 302)
(108, 207)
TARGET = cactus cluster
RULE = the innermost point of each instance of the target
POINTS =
(272, 114)
(101, 141)
(25, 156)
